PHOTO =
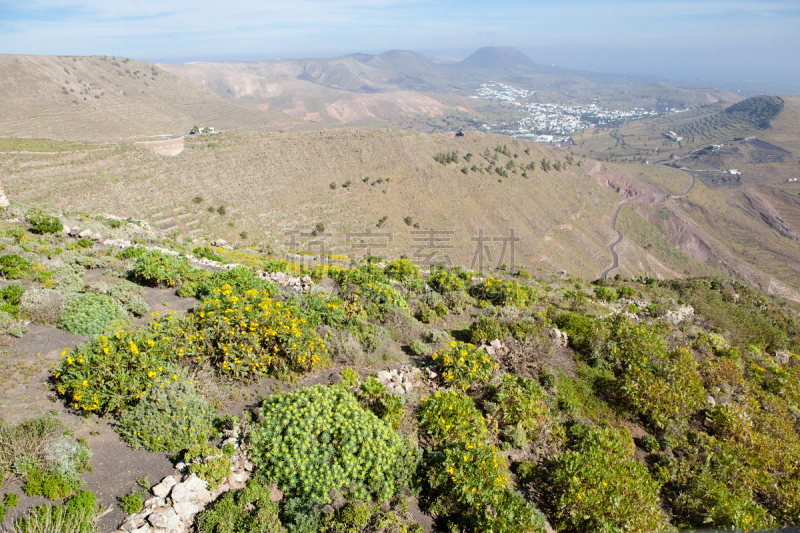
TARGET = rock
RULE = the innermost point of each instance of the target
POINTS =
(162, 489)
(407, 386)
(143, 529)
(165, 518)
(384, 376)
(192, 488)
(131, 524)
(85, 234)
(220, 242)
(275, 494)
(496, 344)
(186, 510)
(783, 357)
(75, 232)
(711, 401)
(489, 349)
(156, 501)
(65, 229)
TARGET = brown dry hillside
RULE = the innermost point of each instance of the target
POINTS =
(272, 183)
(108, 99)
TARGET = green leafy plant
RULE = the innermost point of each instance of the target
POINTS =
(75, 515)
(208, 463)
(132, 503)
(89, 314)
(13, 266)
(598, 486)
(319, 438)
(44, 223)
(9, 502)
(155, 268)
(350, 377)
(249, 510)
(170, 415)
(451, 416)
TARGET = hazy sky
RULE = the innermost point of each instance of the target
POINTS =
(713, 40)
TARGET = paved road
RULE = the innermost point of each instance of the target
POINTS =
(614, 256)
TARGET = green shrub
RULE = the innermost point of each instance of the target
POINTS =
(132, 252)
(664, 387)
(485, 329)
(26, 444)
(319, 438)
(462, 365)
(520, 403)
(132, 503)
(130, 296)
(52, 486)
(245, 511)
(451, 416)
(598, 486)
(88, 314)
(208, 462)
(253, 335)
(155, 268)
(504, 293)
(9, 502)
(76, 515)
(11, 294)
(84, 243)
(360, 516)
(13, 266)
(206, 252)
(605, 294)
(458, 301)
(169, 416)
(419, 349)
(437, 336)
(350, 377)
(240, 280)
(43, 223)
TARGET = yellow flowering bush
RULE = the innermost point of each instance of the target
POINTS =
(451, 415)
(252, 335)
(111, 372)
(503, 293)
(462, 364)
(444, 280)
(469, 476)
(170, 415)
(402, 270)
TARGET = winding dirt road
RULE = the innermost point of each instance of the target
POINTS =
(615, 257)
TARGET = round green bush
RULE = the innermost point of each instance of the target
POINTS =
(319, 438)
(88, 314)
(13, 266)
(170, 415)
(43, 223)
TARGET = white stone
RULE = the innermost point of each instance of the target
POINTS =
(384, 376)
(85, 234)
(186, 510)
(156, 501)
(165, 518)
(162, 489)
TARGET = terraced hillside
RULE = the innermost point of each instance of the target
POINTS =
(108, 99)
(349, 181)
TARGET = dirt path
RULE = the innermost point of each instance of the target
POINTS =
(663, 199)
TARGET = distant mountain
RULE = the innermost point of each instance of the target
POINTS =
(492, 57)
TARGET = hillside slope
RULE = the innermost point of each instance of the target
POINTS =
(107, 99)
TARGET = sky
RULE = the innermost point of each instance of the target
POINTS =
(733, 40)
